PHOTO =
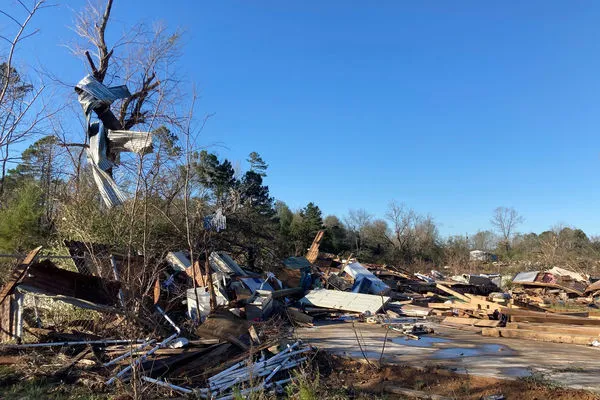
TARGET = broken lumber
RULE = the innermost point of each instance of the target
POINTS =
(539, 336)
(299, 317)
(69, 364)
(313, 251)
(224, 325)
(471, 321)
(556, 328)
(459, 321)
(18, 273)
(155, 368)
(45, 278)
(487, 323)
(552, 318)
(453, 292)
(482, 303)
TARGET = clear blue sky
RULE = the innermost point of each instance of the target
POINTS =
(453, 107)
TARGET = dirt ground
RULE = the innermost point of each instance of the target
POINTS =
(327, 377)
(357, 377)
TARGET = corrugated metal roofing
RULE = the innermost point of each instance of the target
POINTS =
(134, 141)
(224, 263)
(346, 301)
(255, 284)
(94, 94)
(109, 191)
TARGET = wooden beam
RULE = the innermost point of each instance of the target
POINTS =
(453, 292)
(487, 323)
(18, 273)
(556, 328)
(471, 321)
(46, 279)
(555, 319)
(442, 306)
(7, 331)
(298, 316)
(539, 336)
(313, 251)
(483, 304)
(459, 320)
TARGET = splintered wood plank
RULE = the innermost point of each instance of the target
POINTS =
(6, 322)
(555, 319)
(453, 292)
(539, 336)
(459, 320)
(489, 323)
(18, 273)
(482, 303)
(443, 306)
(457, 306)
(313, 252)
(156, 291)
(556, 328)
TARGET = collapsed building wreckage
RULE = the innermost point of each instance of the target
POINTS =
(231, 326)
(191, 334)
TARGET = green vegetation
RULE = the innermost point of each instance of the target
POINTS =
(16, 386)
(541, 380)
(174, 192)
(40, 206)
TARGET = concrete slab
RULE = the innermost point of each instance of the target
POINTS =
(462, 351)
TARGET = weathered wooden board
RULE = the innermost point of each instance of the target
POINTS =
(471, 321)
(555, 319)
(540, 336)
(556, 328)
(18, 273)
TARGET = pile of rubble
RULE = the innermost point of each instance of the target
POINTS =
(211, 327)
(198, 330)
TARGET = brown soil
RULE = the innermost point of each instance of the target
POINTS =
(357, 377)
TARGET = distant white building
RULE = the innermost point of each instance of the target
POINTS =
(480, 255)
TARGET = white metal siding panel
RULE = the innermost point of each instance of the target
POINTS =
(337, 300)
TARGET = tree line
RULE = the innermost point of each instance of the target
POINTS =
(48, 193)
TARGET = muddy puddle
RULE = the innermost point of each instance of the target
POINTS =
(445, 351)
(425, 341)
(516, 372)
(475, 351)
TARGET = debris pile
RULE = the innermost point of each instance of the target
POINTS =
(212, 328)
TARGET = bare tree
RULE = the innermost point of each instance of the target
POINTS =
(414, 235)
(144, 58)
(505, 220)
(483, 240)
(356, 221)
(20, 110)
(403, 220)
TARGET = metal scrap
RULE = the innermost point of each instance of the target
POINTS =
(106, 144)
